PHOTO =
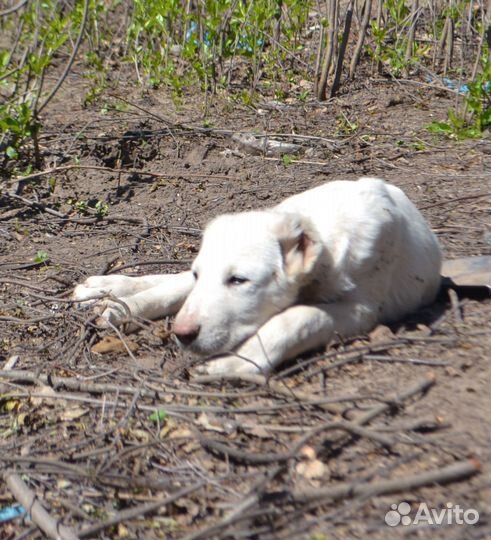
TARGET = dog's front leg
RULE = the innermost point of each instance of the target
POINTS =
(148, 297)
(296, 330)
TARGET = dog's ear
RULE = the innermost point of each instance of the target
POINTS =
(300, 246)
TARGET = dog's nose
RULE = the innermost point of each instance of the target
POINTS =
(186, 333)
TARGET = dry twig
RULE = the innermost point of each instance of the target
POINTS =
(451, 473)
(139, 511)
(342, 50)
(38, 514)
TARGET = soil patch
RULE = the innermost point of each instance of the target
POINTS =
(94, 447)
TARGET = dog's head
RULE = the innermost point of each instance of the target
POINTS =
(249, 268)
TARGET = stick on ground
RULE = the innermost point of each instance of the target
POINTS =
(451, 473)
(50, 526)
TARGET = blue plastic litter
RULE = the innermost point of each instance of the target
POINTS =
(11, 512)
(242, 44)
(460, 88)
(192, 30)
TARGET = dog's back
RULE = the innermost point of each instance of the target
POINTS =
(377, 244)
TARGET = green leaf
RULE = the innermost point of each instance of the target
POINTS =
(51, 184)
(159, 416)
(287, 160)
(486, 117)
(439, 128)
(41, 257)
(12, 152)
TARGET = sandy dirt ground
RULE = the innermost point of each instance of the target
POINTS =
(113, 433)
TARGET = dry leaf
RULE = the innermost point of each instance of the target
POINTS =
(43, 394)
(191, 446)
(123, 532)
(189, 508)
(148, 361)
(450, 370)
(307, 452)
(260, 431)
(312, 469)
(214, 424)
(110, 344)
(11, 405)
(73, 413)
(26, 449)
(264, 145)
(139, 434)
(161, 331)
(21, 418)
(381, 334)
(10, 363)
(181, 433)
(63, 484)
(168, 425)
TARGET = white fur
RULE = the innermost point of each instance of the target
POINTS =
(269, 285)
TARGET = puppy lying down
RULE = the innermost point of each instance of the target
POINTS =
(271, 284)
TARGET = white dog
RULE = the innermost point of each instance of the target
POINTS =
(269, 285)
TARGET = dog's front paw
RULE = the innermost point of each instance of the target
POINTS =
(94, 292)
(228, 365)
(92, 289)
(96, 287)
(111, 313)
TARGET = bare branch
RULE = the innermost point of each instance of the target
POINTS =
(13, 9)
(38, 514)
(451, 473)
(69, 64)
(138, 511)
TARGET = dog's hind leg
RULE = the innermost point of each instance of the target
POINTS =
(296, 330)
(148, 297)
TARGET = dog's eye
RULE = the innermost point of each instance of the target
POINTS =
(236, 280)
(195, 275)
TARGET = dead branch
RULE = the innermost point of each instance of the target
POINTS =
(318, 59)
(151, 390)
(13, 8)
(329, 50)
(342, 50)
(397, 400)
(139, 511)
(69, 64)
(419, 424)
(25, 283)
(456, 199)
(255, 495)
(143, 172)
(411, 34)
(395, 359)
(451, 473)
(251, 498)
(361, 37)
(37, 205)
(353, 355)
(34, 320)
(380, 12)
(38, 514)
(177, 411)
(439, 50)
(276, 387)
(353, 428)
(264, 459)
(449, 39)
